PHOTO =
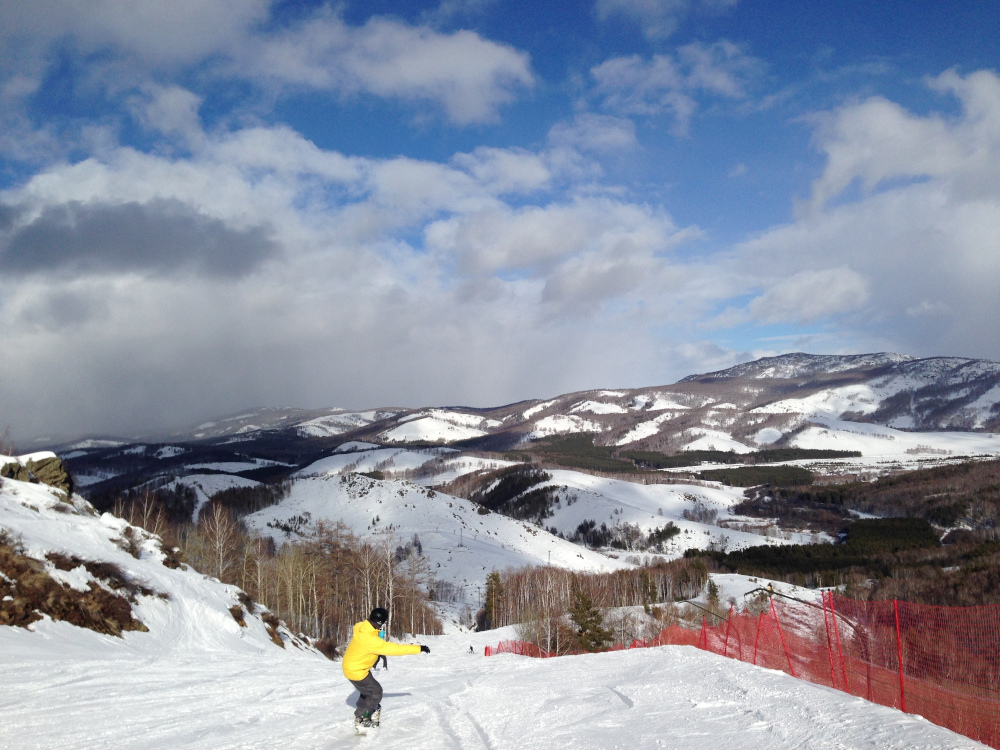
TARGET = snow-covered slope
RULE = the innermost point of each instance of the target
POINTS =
(198, 680)
(671, 697)
(186, 610)
(650, 506)
(461, 544)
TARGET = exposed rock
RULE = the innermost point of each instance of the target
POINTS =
(46, 469)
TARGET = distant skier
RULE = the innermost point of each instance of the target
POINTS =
(362, 652)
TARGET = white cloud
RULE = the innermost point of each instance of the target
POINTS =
(132, 40)
(924, 236)
(634, 85)
(502, 170)
(808, 296)
(241, 312)
(592, 132)
(179, 32)
(658, 18)
(537, 239)
(877, 140)
(171, 110)
(469, 76)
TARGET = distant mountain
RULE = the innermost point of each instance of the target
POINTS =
(895, 411)
(879, 404)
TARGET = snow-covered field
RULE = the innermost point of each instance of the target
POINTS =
(669, 697)
(878, 441)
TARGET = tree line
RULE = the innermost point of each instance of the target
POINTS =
(540, 598)
(320, 584)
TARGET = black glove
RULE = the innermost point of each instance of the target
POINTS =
(425, 650)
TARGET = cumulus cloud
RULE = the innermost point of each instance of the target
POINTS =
(502, 170)
(808, 296)
(170, 110)
(593, 132)
(658, 18)
(183, 31)
(469, 76)
(922, 237)
(877, 140)
(160, 261)
(663, 83)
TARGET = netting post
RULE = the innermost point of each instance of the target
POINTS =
(840, 651)
(703, 638)
(729, 624)
(781, 635)
(899, 656)
(829, 644)
(760, 620)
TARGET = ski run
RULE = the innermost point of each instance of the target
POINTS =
(197, 679)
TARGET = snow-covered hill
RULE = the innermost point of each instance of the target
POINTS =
(755, 404)
(930, 407)
(80, 549)
(198, 679)
(461, 544)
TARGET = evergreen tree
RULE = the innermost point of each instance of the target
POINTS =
(713, 602)
(490, 615)
(590, 630)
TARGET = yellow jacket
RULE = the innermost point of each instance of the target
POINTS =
(365, 647)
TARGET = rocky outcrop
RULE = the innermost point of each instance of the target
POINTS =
(39, 468)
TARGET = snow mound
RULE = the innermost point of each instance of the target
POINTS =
(439, 426)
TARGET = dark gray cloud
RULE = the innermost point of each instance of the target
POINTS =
(163, 237)
(7, 216)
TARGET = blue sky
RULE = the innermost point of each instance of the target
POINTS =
(207, 205)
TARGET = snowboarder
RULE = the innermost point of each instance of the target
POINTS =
(362, 652)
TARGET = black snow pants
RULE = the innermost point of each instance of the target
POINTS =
(371, 695)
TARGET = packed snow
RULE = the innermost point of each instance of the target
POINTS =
(169, 451)
(529, 413)
(194, 616)
(645, 429)
(713, 440)
(207, 485)
(61, 694)
(368, 460)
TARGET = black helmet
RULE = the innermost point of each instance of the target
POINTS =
(378, 617)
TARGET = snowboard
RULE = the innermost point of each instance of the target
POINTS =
(375, 719)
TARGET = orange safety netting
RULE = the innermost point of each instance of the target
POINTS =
(942, 663)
